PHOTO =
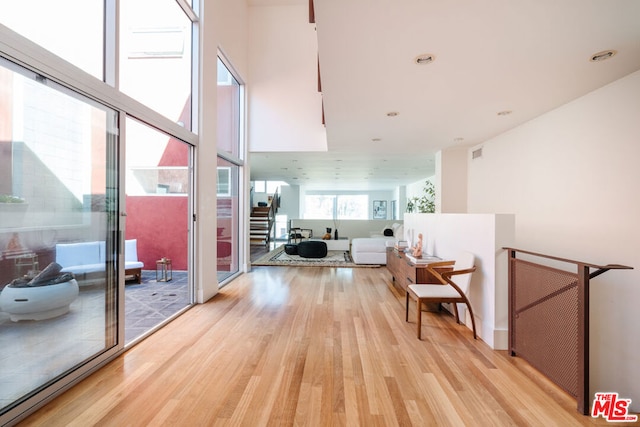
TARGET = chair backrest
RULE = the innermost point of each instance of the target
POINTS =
(464, 260)
(131, 250)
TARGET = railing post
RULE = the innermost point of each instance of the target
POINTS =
(511, 296)
(582, 398)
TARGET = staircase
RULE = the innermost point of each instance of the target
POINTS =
(262, 221)
(260, 225)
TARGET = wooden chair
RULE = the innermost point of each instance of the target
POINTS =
(454, 288)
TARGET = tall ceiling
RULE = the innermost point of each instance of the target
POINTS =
(521, 57)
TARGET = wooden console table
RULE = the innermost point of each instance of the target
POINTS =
(404, 272)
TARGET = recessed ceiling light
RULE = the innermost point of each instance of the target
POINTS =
(602, 56)
(392, 113)
(504, 112)
(376, 139)
(458, 139)
(424, 59)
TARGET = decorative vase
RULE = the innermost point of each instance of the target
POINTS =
(328, 229)
(335, 234)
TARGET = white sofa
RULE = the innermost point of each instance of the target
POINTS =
(90, 257)
(373, 250)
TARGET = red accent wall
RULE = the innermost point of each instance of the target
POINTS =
(160, 225)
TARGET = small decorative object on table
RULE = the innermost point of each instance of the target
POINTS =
(327, 235)
(335, 234)
(417, 249)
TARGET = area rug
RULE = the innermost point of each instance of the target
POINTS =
(278, 257)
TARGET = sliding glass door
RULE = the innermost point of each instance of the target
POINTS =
(58, 239)
(158, 187)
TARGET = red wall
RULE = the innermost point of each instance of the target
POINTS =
(160, 225)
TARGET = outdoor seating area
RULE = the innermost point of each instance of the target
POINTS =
(83, 258)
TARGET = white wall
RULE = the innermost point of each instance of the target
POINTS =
(569, 176)
(290, 201)
(224, 26)
(484, 235)
(415, 189)
(286, 108)
(451, 180)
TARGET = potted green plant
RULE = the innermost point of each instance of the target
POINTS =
(425, 203)
(6, 198)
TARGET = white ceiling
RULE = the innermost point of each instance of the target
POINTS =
(524, 56)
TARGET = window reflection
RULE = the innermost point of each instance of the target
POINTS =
(155, 56)
(52, 26)
(57, 214)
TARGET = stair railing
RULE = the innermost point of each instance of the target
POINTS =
(273, 210)
(549, 318)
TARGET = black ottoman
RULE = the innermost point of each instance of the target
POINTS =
(291, 249)
(312, 249)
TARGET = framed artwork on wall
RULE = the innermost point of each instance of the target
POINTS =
(379, 209)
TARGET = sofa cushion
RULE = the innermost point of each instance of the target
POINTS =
(90, 257)
(84, 268)
(370, 244)
(73, 254)
(131, 250)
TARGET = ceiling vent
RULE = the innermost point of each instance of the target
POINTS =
(476, 154)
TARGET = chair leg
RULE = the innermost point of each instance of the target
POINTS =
(473, 322)
(419, 317)
(455, 312)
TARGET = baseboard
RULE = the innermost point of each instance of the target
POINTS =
(500, 339)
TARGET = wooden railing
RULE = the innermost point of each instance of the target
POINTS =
(549, 318)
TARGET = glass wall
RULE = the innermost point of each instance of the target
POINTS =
(55, 26)
(230, 121)
(228, 219)
(229, 114)
(158, 186)
(58, 206)
(61, 200)
(155, 57)
(331, 206)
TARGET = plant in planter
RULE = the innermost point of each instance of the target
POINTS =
(6, 198)
(425, 203)
(12, 211)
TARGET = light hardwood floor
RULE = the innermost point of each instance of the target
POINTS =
(312, 346)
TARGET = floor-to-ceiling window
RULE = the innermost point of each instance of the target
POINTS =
(155, 57)
(155, 69)
(64, 137)
(54, 25)
(230, 130)
(58, 246)
(158, 183)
